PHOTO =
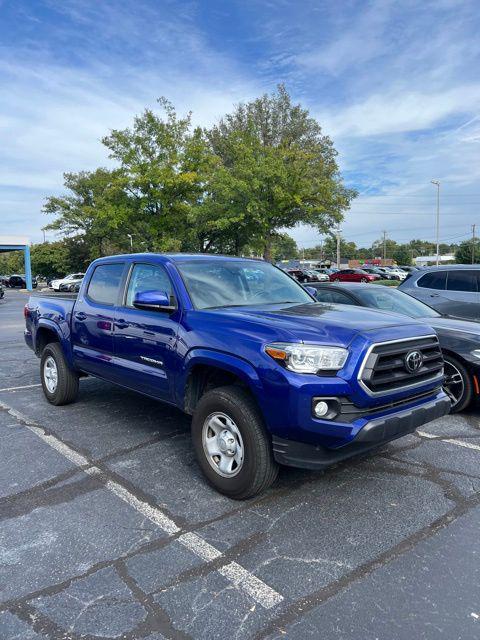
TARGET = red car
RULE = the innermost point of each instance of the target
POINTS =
(353, 275)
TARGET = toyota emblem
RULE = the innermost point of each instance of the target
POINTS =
(413, 361)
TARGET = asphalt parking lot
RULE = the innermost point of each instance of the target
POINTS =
(108, 529)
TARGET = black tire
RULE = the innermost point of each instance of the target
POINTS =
(66, 390)
(465, 396)
(259, 469)
(364, 280)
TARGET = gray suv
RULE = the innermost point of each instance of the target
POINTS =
(453, 290)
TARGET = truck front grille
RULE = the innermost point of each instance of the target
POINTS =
(401, 364)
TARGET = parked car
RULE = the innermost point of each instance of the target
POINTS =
(269, 375)
(2, 292)
(396, 271)
(327, 270)
(353, 275)
(321, 275)
(4, 280)
(387, 274)
(55, 284)
(20, 281)
(452, 290)
(459, 339)
(303, 275)
(70, 285)
(384, 275)
(409, 269)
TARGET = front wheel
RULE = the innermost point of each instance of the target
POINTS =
(457, 384)
(59, 382)
(232, 446)
(363, 279)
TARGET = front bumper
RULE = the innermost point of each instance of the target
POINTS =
(374, 433)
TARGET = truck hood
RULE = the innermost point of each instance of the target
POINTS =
(317, 322)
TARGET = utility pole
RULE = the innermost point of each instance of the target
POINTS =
(339, 231)
(129, 235)
(473, 243)
(384, 246)
(437, 184)
(43, 231)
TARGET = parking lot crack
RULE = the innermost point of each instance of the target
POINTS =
(157, 620)
(301, 606)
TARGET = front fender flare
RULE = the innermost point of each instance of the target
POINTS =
(243, 369)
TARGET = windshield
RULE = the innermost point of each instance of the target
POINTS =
(231, 283)
(395, 301)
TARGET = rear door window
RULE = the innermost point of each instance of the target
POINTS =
(433, 280)
(462, 280)
(104, 285)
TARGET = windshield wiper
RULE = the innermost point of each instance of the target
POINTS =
(252, 304)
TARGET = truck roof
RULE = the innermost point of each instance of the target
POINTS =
(174, 257)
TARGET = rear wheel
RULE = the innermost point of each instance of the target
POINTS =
(363, 279)
(457, 384)
(232, 446)
(59, 382)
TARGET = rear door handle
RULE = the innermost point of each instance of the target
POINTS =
(121, 324)
(80, 315)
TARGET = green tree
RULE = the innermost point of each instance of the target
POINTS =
(348, 250)
(49, 258)
(467, 250)
(96, 208)
(402, 255)
(12, 262)
(278, 170)
(284, 247)
(161, 176)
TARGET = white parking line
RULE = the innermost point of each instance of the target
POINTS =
(455, 441)
(26, 386)
(238, 575)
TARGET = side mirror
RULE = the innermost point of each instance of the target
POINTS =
(153, 301)
(312, 291)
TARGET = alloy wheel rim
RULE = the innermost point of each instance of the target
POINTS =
(453, 385)
(223, 444)
(50, 374)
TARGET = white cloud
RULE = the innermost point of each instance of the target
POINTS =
(400, 110)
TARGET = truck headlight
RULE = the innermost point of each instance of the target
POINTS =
(307, 358)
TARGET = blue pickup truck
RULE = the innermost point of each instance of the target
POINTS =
(269, 375)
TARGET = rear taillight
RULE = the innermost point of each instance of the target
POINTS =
(26, 311)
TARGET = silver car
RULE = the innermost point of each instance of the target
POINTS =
(453, 290)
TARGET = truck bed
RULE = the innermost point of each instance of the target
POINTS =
(55, 295)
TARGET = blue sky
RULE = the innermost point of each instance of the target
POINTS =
(395, 84)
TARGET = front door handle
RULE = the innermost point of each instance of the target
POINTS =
(80, 315)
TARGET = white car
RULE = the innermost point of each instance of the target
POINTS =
(397, 272)
(70, 279)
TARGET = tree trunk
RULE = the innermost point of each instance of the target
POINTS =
(267, 249)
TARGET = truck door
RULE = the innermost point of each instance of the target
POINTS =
(144, 340)
(92, 321)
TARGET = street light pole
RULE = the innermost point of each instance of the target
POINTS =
(339, 231)
(129, 235)
(437, 184)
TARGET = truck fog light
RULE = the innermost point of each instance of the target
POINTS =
(320, 408)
